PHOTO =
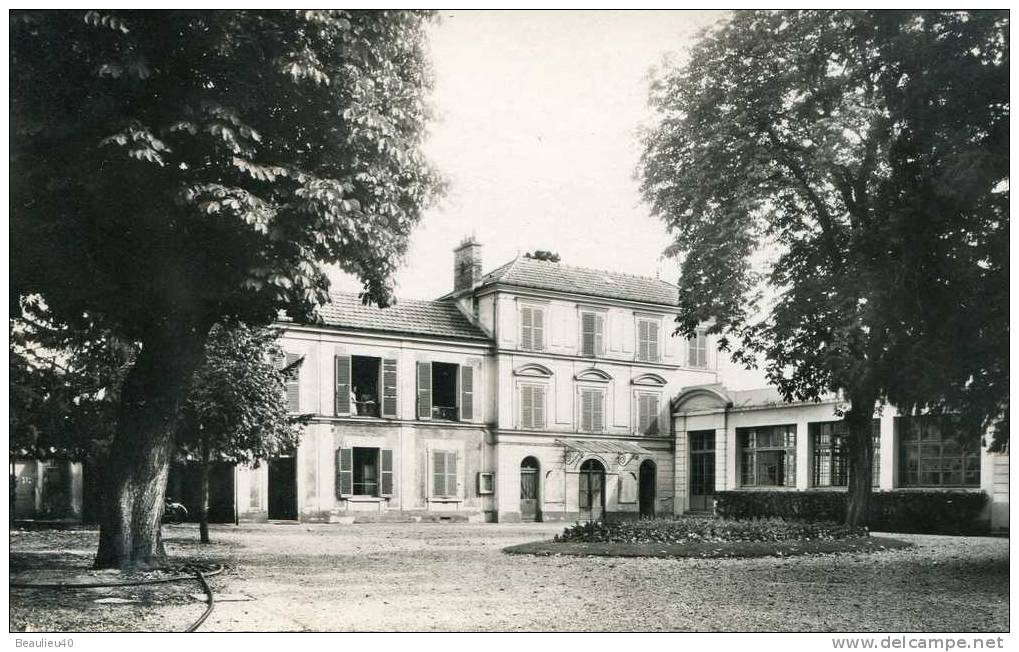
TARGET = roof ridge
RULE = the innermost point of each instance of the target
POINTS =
(603, 271)
(396, 300)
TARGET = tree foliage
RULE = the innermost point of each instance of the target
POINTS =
(867, 153)
(237, 409)
(64, 386)
(175, 169)
(541, 254)
(212, 159)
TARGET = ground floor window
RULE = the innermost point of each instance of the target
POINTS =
(444, 473)
(364, 471)
(829, 441)
(767, 456)
(935, 451)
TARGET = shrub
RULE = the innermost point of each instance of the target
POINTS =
(691, 529)
(925, 512)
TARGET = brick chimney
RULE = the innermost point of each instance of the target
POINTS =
(466, 264)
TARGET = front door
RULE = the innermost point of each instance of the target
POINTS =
(283, 488)
(647, 489)
(529, 490)
(702, 470)
(592, 490)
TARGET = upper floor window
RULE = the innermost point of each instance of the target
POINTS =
(292, 371)
(365, 386)
(532, 407)
(828, 440)
(935, 451)
(532, 328)
(592, 410)
(767, 456)
(648, 347)
(445, 391)
(697, 350)
(592, 333)
(648, 409)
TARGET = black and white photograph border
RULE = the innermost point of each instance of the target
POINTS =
(476, 320)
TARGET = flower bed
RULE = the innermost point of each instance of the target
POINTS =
(706, 529)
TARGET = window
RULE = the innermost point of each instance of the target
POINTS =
(364, 471)
(293, 376)
(831, 453)
(532, 328)
(767, 456)
(445, 391)
(697, 350)
(934, 451)
(532, 407)
(365, 386)
(444, 473)
(648, 413)
(592, 333)
(648, 349)
(592, 410)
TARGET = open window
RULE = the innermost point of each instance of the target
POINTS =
(365, 377)
(364, 471)
(365, 386)
(445, 391)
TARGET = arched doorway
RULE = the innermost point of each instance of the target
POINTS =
(648, 482)
(529, 510)
(592, 490)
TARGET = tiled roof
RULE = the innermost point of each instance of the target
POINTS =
(434, 318)
(543, 275)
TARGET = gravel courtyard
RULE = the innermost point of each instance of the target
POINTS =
(454, 577)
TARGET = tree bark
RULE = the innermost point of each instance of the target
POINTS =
(136, 470)
(203, 509)
(861, 457)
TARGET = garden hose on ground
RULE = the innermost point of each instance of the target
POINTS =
(210, 598)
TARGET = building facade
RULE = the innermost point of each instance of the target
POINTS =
(541, 391)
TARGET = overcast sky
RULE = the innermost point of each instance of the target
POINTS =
(537, 131)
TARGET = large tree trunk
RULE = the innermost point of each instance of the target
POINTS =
(143, 445)
(861, 457)
(203, 509)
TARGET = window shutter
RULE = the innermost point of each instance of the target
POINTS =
(538, 405)
(451, 475)
(386, 472)
(424, 390)
(438, 473)
(652, 341)
(599, 334)
(538, 329)
(598, 411)
(585, 496)
(344, 472)
(466, 393)
(526, 327)
(642, 340)
(691, 347)
(587, 334)
(389, 388)
(653, 415)
(586, 410)
(341, 374)
(526, 406)
(641, 413)
(293, 383)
